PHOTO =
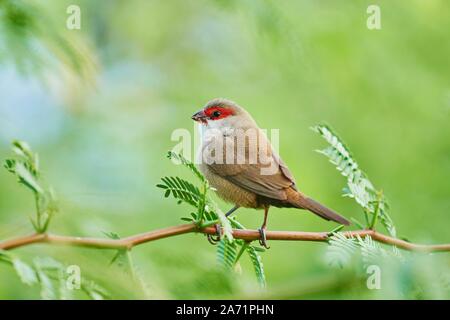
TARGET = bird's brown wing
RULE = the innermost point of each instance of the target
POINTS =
(285, 170)
(250, 177)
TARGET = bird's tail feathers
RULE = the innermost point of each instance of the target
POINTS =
(322, 211)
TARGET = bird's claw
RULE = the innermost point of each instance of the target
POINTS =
(214, 239)
(263, 238)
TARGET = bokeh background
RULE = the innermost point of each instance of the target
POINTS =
(99, 105)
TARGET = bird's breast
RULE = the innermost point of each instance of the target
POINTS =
(229, 191)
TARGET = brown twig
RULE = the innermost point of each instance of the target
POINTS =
(129, 242)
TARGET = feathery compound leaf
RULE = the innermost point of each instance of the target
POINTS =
(46, 270)
(21, 148)
(181, 189)
(257, 265)
(24, 174)
(52, 277)
(25, 272)
(179, 159)
(93, 290)
(358, 186)
(370, 250)
(48, 290)
(340, 251)
(25, 166)
(184, 191)
(227, 252)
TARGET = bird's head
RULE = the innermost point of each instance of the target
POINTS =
(219, 113)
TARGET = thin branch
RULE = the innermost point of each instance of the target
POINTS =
(249, 235)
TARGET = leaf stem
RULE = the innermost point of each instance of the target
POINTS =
(243, 248)
(377, 209)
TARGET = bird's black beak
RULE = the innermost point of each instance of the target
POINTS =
(199, 116)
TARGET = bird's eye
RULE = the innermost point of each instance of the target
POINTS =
(216, 114)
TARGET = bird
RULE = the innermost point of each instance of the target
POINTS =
(242, 166)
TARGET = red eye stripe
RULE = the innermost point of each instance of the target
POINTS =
(216, 113)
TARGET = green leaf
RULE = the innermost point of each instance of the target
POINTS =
(50, 275)
(21, 148)
(370, 250)
(181, 190)
(208, 213)
(182, 160)
(257, 265)
(48, 291)
(26, 177)
(227, 252)
(340, 250)
(338, 228)
(25, 272)
(359, 187)
(94, 291)
(26, 168)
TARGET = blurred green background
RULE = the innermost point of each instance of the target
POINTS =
(99, 105)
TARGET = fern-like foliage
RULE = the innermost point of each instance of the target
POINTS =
(178, 158)
(25, 166)
(257, 264)
(185, 192)
(229, 250)
(51, 276)
(359, 187)
(47, 273)
(182, 190)
(342, 251)
(227, 253)
(32, 40)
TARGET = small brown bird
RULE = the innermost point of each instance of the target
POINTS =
(239, 162)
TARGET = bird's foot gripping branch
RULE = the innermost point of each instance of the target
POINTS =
(235, 240)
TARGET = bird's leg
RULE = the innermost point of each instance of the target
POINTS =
(262, 230)
(216, 238)
(231, 211)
